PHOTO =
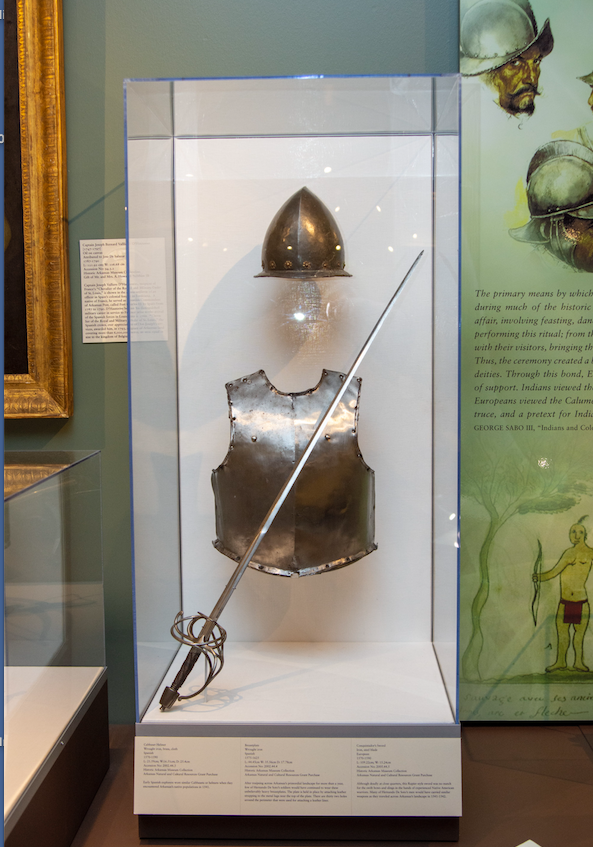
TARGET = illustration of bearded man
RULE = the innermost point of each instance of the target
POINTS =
(584, 134)
(588, 79)
(500, 43)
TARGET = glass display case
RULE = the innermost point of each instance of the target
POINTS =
(344, 661)
(55, 708)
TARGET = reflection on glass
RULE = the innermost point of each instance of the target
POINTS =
(305, 312)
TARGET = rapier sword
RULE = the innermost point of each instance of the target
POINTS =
(204, 643)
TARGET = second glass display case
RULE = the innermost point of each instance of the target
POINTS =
(56, 742)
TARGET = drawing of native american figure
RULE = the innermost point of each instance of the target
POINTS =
(572, 617)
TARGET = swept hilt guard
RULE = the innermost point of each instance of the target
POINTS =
(209, 642)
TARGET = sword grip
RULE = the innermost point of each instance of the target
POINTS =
(170, 694)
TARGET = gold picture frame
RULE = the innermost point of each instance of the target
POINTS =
(45, 391)
(20, 476)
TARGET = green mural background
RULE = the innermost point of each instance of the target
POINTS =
(526, 395)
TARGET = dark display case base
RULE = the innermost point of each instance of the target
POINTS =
(299, 828)
(55, 811)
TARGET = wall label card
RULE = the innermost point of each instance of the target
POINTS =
(298, 776)
(104, 297)
(103, 284)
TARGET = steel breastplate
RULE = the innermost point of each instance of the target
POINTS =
(328, 519)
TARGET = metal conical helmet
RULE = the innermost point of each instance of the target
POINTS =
(303, 241)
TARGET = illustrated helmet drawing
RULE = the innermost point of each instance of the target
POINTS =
(559, 181)
(588, 78)
(494, 32)
(303, 241)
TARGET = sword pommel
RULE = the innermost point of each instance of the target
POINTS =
(168, 698)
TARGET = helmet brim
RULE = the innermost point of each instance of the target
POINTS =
(470, 66)
(585, 212)
(530, 233)
(303, 274)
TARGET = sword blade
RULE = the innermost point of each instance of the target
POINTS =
(290, 482)
(265, 525)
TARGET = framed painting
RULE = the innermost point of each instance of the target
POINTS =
(38, 346)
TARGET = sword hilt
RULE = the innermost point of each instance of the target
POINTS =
(171, 693)
(209, 643)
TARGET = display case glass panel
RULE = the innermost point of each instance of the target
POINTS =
(209, 164)
(54, 646)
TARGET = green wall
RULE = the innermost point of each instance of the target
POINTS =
(106, 41)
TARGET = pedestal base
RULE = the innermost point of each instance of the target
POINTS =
(299, 828)
(54, 806)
